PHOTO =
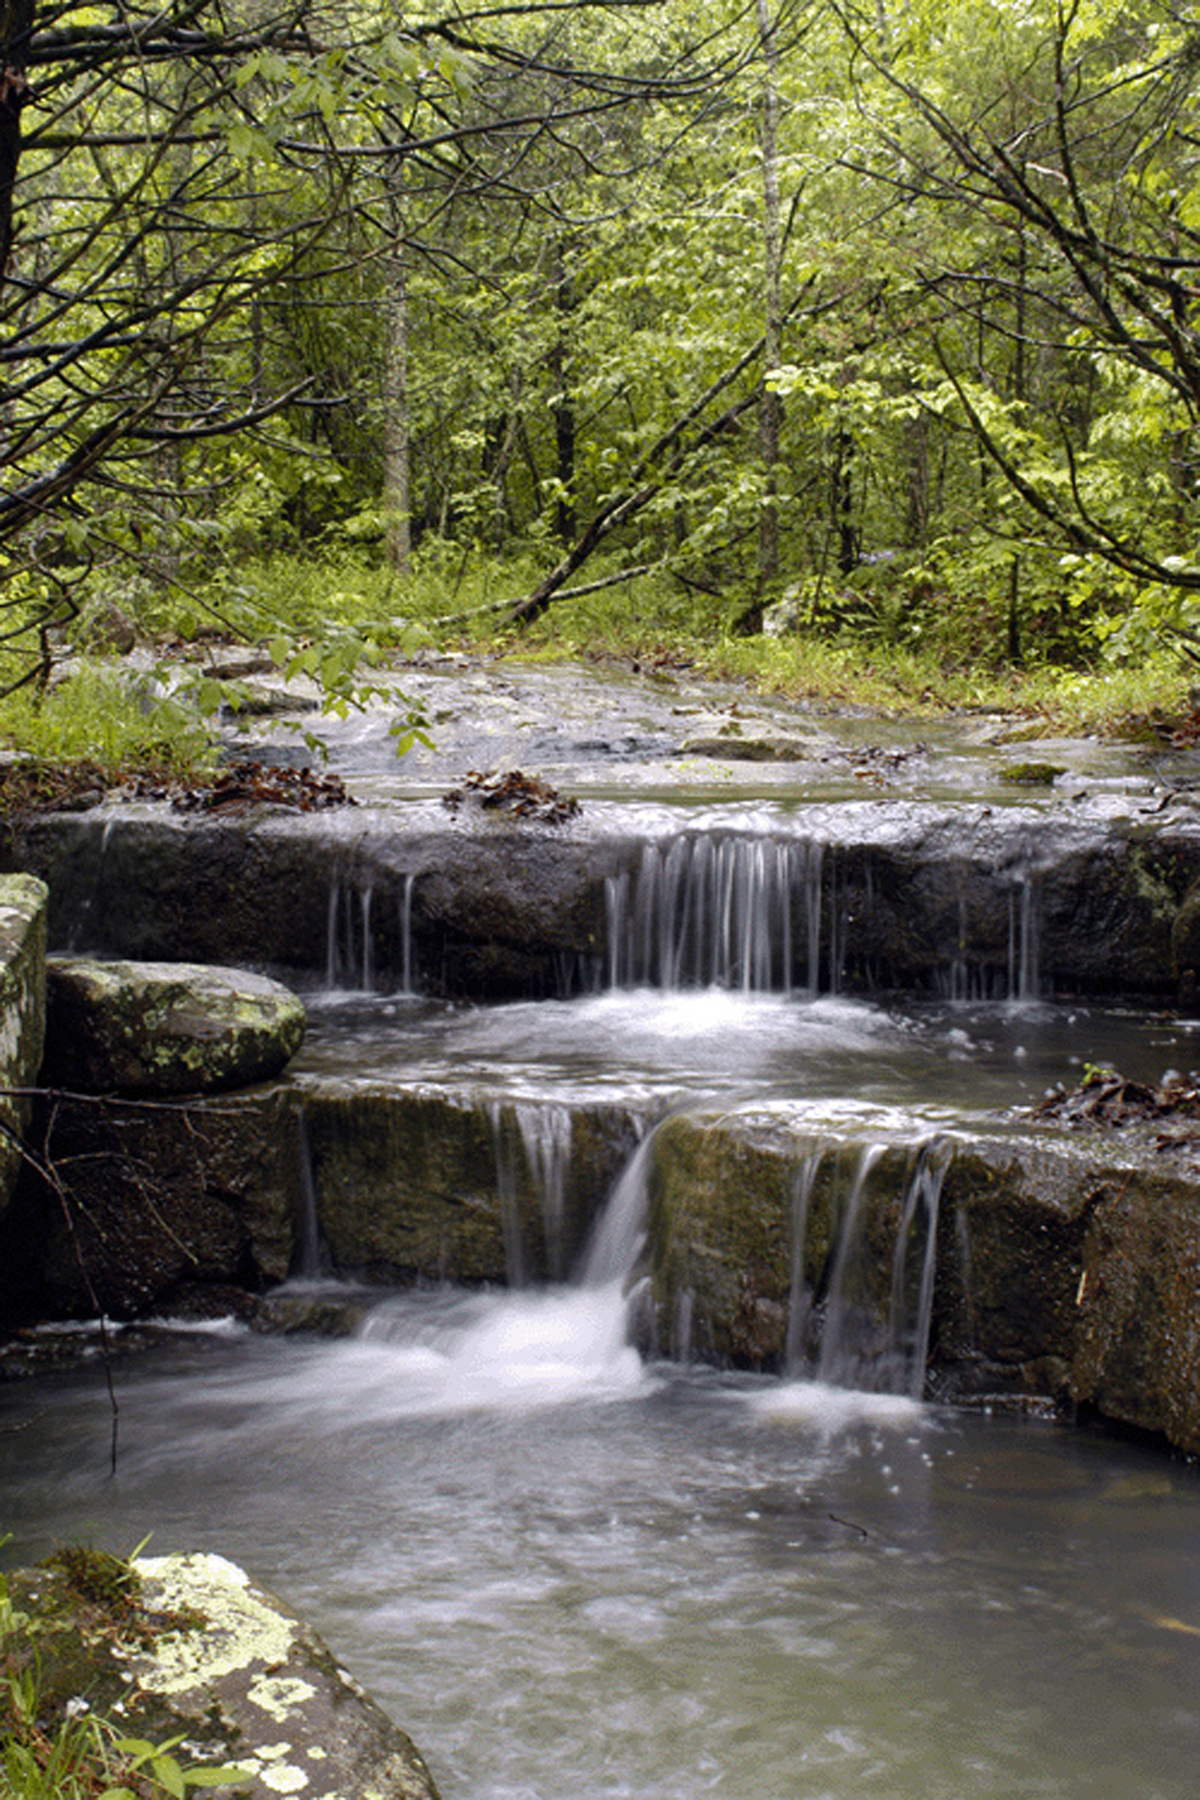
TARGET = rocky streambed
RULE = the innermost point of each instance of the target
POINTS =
(874, 957)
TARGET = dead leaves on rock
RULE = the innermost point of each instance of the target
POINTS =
(33, 787)
(510, 791)
(246, 784)
(28, 788)
(1106, 1100)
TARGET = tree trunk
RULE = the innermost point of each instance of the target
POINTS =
(770, 409)
(566, 517)
(397, 500)
(16, 24)
(396, 495)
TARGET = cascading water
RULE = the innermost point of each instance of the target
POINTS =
(572, 1569)
(712, 911)
(525, 1346)
(769, 914)
(349, 955)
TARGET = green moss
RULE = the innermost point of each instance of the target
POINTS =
(1032, 774)
(98, 1577)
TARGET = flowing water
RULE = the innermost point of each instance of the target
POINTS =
(574, 1573)
(575, 1576)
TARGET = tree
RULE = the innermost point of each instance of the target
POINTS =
(1044, 184)
(170, 180)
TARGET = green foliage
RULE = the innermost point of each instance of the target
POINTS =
(98, 714)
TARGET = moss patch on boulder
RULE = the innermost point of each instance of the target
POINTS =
(165, 1028)
(23, 901)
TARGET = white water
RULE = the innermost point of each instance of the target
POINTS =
(573, 1575)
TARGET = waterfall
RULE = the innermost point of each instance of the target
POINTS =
(546, 1137)
(914, 1264)
(508, 1195)
(619, 1232)
(709, 911)
(81, 936)
(1024, 922)
(800, 1294)
(966, 978)
(308, 1261)
(872, 1338)
(349, 943)
(407, 984)
(533, 1154)
(849, 1348)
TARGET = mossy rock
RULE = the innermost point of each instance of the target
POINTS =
(23, 901)
(1032, 774)
(165, 1028)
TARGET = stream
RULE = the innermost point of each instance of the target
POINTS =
(573, 1575)
(573, 1571)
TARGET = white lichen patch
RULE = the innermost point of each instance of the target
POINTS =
(280, 1694)
(240, 1629)
(284, 1778)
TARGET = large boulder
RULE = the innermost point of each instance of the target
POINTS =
(165, 1028)
(22, 1013)
(189, 1647)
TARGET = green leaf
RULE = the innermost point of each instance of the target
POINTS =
(168, 1772)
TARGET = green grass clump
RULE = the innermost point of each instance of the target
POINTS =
(99, 716)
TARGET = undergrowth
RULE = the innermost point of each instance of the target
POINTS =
(108, 718)
(340, 615)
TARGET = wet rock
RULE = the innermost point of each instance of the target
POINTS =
(22, 1013)
(1063, 1271)
(138, 1206)
(165, 1028)
(1185, 944)
(1137, 1347)
(973, 902)
(1013, 1221)
(427, 1185)
(193, 1648)
(777, 1243)
(765, 747)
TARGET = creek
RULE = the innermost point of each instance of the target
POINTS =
(578, 1570)
(575, 1575)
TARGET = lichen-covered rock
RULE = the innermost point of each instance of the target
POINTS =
(165, 1028)
(204, 1653)
(22, 1013)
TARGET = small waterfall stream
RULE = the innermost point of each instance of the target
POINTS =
(571, 1556)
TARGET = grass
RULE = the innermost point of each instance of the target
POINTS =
(101, 716)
